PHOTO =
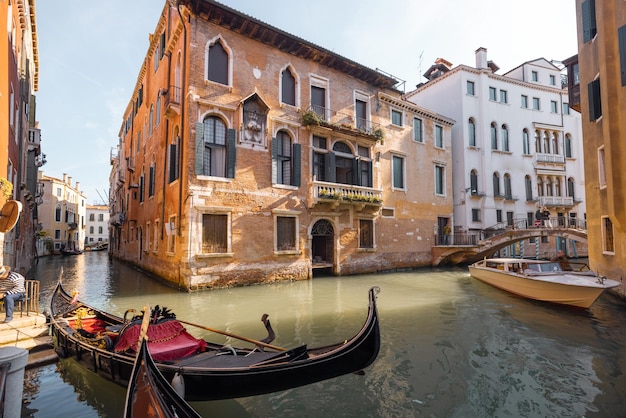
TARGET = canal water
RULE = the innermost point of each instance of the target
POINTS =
(451, 346)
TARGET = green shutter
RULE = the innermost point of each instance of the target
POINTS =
(297, 160)
(356, 171)
(329, 163)
(588, 11)
(275, 146)
(231, 153)
(370, 181)
(199, 148)
(621, 37)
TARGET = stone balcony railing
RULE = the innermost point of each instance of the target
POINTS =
(336, 194)
(556, 201)
(554, 161)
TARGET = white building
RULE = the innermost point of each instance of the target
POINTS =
(62, 212)
(96, 225)
(516, 146)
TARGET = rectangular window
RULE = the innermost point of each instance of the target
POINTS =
(536, 103)
(595, 100)
(100, 217)
(524, 101)
(621, 38)
(608, 242)
(588, 9)
(170, 231)
(492, 94)
(418, 130)
(475, 215)
(173, 162)
(151, 181)
(366, 233)
(601, 168)
(504, 96)
(288, 88)
(470, 88)
(498, 215)
(534, 76)
(57, 234)
(440, 180)
(566, 108)
(318, 101)
(214, 233)
(285, 233)
(438, 136)
(552, 80)
(360, 110)
(398, 172)
(396, 117)
(554, 106)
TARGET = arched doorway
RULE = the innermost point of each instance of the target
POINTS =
(322, 244)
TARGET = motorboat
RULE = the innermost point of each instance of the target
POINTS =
(562, 282)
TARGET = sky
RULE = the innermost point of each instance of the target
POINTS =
(90, 54)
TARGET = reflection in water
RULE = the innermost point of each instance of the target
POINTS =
(451, 346)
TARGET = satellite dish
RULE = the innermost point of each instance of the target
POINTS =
(9, 214)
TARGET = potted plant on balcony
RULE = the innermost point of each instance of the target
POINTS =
(311, 118)
(6, 187)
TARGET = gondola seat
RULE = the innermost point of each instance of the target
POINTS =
(167, 340)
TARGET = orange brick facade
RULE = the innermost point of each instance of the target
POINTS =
(221, 180)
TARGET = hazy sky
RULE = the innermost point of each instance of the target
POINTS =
(90, 54)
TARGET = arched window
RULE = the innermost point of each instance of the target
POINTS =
(570, 188)
(494, 136)
(344, 163)
(546, 143)
(281, 152)
(496, 185)
(471, 132)
(540, 186)
(549, 189)
(528, 183)
(173, 157)
(568, 146)
(212, 148)
(288, 87)
(158, 110)
(557, 186)
(505, 138)
(57, 213)
(537, 142)
(508, 193)
(526, 141)
(474, 182)
(150, 122)
(217, 63)
(555, 143)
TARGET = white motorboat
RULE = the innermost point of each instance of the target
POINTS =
(549, 281)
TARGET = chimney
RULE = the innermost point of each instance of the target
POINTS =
(64, 178)
(78, 186)
(69, 181)
(481, 58)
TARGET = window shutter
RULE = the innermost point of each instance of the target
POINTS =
(231, 156)
(370, 180)
(199, 148)
(588, 9)
(173, 163)
(621, 36)
(162, 49)
(595, 104)
(356, 172)
(330, 167)
(274, 160)
(297, 159)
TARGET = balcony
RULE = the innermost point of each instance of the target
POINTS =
(171, 101)
(556, 201)
(34, 139)
(342, 122)
(346, 194)
(549, 161)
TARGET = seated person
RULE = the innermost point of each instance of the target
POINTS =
(562, 260)
(11, 289)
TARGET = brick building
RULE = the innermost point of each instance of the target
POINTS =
(250, 155)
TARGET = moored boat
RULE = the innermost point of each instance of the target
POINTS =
(107, 345)
(149, 394)
(66, 252)
(549, 281)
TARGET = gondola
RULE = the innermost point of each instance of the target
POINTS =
(66, 252)
(149, 394)
(107, 345)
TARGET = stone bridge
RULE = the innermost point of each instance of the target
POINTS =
(467, 254)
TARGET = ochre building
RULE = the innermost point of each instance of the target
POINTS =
(249, 155)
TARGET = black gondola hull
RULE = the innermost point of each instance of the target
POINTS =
(208, 377)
